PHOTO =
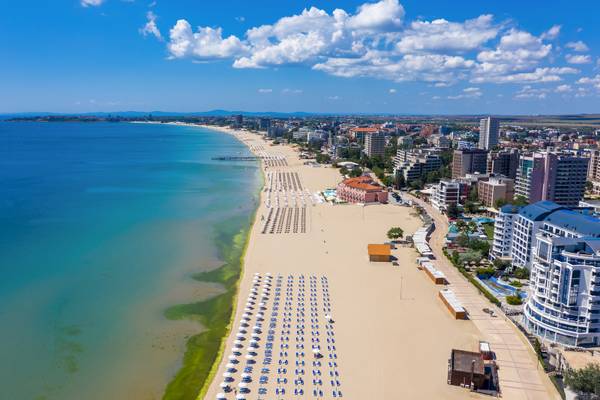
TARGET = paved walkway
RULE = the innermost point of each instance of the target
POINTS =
(521, 376)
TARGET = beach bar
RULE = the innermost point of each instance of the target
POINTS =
(380, 252)
(434, 274)
(452, 303)
(466, 369)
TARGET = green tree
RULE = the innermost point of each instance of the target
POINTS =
(400, 182)
(452, 211)
(585, 381)
(355, 172)
(387, 180)
(344, 171)
(473, 194)
(471, 207)
(323, 158)
(500, 202)
(395, 233)
(462, 240)
(521, 273)
(520, 201)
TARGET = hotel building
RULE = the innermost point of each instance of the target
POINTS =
(556, 177)
(445, 193)
(375, 144)
(489, 129)
(468, 161)
(361, 190)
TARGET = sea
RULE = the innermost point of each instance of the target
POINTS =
(102, 226)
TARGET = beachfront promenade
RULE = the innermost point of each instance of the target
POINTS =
(521, 376)
(392, 334)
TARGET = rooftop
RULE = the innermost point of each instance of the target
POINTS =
(379, 249)
(586, 225)
(462, 361)
(362, 182)
(540, 210)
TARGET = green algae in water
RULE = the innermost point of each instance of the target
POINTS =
(202, 350)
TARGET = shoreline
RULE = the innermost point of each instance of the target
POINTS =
(222, 304)
(328, 248)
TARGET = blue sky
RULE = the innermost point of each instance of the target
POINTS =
(389, 56)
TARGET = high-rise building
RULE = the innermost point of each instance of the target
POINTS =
(415, 164)
(594, 171)
(494, 189)
(264, 124)
(468, 161)
(445, 193)
(564, 178)
(489, 129)
(503, 231)
(557, 177)
(564, 301)
(375, 144)
(505, 162)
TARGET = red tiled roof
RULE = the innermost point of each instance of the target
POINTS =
(363, 183)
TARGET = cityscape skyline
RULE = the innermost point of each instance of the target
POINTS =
(390, 56)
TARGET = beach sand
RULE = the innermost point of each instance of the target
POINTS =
(394, 335)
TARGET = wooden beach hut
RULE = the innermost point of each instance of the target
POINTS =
(380, 252)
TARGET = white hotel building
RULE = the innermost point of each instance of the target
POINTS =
(561, 247)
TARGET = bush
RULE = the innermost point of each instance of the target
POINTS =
(585, 381)
(395, 233)
(514, 300)
(521, 273)
(485, 272)
(516, 284)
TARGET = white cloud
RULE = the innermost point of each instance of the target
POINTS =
(240, 18)
(578, 58)
(444, 35)
(563, 89)
(529, 92)
(539, 75)
(411, 67)
(467, 93)
(292, 91)
(577, 46)
(382, 15)
(374, 41)
(91, 3)
(205, 43)
(265, 91)
(551, 33)
(590, 81)
(334, 98)
(392, 91)
(151, 28)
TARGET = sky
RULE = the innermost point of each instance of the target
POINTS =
(387, 56)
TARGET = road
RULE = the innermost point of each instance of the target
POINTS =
(521, 376)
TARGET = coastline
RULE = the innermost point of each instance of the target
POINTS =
(202, 357)
(334, 245)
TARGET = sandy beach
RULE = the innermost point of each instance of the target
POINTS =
(393, 336)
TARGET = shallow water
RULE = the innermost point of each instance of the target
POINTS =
(101, 226)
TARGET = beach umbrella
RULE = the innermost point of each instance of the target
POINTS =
(232, 357)
(230, 365)
(227, 375)
(240, 397)
(221, 396)
(242, 384)
(223, 385)
(246, 375)
(238, 342)
(249, 356)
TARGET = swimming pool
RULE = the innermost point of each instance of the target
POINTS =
(501, 289)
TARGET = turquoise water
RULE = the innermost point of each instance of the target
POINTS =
(101, 226)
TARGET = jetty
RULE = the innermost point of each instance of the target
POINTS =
(236, 158)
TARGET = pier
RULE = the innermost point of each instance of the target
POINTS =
(236, 158)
